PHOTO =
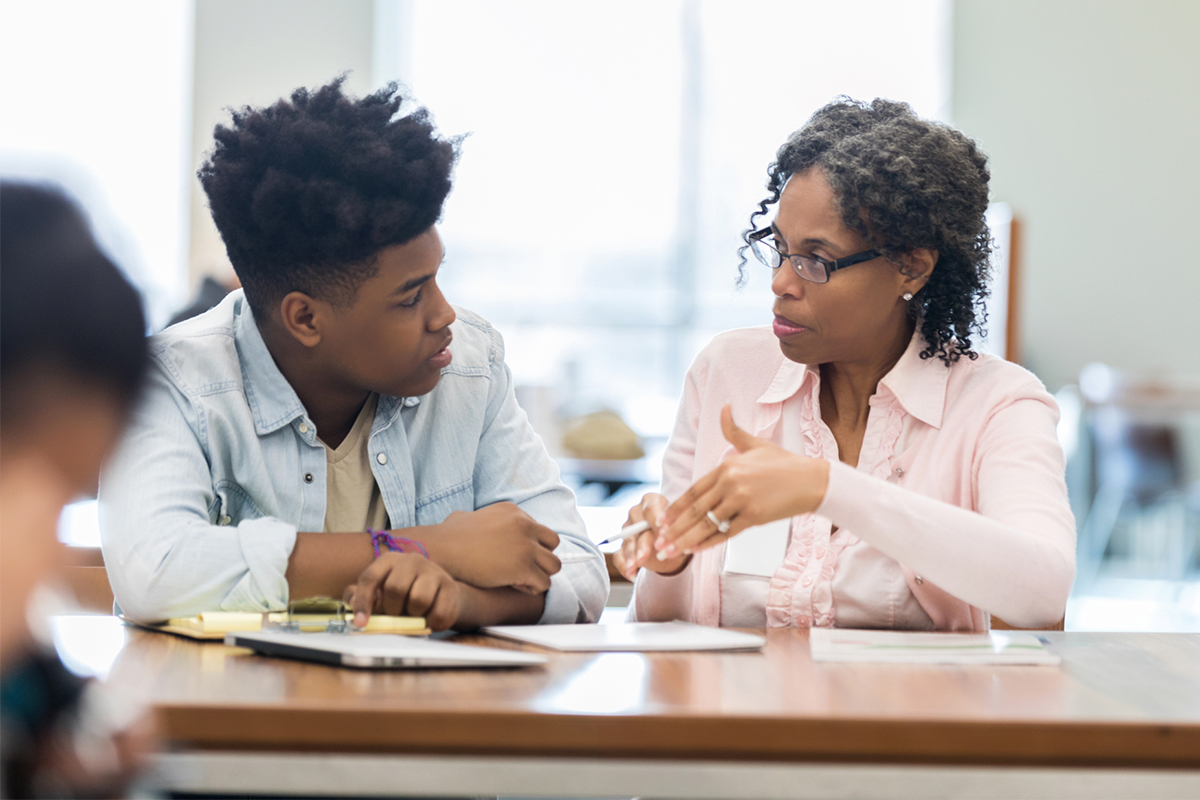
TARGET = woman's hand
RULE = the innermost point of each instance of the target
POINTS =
(638, 551)
(760, 484)
(405, 584)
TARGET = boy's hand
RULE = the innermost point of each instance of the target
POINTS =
(499, 545)
(405, 585)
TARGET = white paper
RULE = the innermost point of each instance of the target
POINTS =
(638, 637)
(904, 647)
(759, 550)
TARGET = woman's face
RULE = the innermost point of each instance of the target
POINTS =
(860, 314)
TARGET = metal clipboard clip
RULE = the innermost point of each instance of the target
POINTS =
(311, 615)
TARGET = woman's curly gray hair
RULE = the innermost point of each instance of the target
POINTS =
(903, 183)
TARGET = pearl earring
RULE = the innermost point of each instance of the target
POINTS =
(908, 295)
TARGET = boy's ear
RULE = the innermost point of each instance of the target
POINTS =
(299, 316)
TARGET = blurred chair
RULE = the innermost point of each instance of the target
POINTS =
(1000, 625)
(1138, 466)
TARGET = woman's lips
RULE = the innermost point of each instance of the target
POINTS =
(785, 327)
(441, 358)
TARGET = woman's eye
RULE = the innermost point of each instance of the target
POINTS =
(416, 298)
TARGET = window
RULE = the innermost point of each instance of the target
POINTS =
(615, 153)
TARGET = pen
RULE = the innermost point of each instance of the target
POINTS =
(627, 531)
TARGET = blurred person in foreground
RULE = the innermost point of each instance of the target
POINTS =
(335, 427)
(920, 484)
(72, 358)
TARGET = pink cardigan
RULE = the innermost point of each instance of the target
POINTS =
(960, 480)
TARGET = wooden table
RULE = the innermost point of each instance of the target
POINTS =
(1120, 718)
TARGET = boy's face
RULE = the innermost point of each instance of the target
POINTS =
(394, 337)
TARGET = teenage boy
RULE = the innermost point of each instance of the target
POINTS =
(336, 428)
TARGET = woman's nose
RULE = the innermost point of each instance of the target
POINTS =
(786, 283)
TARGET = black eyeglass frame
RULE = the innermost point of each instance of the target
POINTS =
(761, 235)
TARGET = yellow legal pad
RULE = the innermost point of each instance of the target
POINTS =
(215, 624)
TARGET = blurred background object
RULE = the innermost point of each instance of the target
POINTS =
(615, 152)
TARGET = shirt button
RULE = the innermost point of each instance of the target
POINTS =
(820, 552)
(919, 579)
(807, 580)
(899, 472)
(409, 402)
(303, 428)
(224, 520)
(308, 478)
(381, 458)
(802, 620)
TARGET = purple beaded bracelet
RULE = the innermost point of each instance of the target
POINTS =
(395, 543)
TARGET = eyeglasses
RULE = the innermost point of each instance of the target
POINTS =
(811, 268)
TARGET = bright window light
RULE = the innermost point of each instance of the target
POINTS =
(97, 99)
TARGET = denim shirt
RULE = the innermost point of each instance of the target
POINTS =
(221, 466)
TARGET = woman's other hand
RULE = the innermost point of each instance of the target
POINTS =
(638, 551)
(760, 484)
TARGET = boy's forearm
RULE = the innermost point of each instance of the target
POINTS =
(324, 564)
(504, 606)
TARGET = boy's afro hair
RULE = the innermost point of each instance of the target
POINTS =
(306, 191)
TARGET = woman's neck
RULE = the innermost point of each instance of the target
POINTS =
(847, 386)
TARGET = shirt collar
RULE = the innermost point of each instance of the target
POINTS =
(918, 384)
(272, 399)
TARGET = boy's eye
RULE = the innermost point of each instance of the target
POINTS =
(416, 298)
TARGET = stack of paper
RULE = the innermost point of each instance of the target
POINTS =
(901, 647)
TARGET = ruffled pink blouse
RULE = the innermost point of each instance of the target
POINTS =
(957, 508)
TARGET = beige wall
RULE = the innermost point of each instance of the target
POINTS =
(1090, 111)
(252, 52)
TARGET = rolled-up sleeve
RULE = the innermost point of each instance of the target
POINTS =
(513, 466)
(164, 552)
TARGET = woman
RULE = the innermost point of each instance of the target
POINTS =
(923, 481)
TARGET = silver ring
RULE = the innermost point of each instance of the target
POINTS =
(722, 527)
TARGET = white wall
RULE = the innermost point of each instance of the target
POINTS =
(253, 53)
(1090, 111)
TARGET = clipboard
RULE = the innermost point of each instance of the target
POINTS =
(214, 626)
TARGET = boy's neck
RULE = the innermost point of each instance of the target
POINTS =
(331, 405)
